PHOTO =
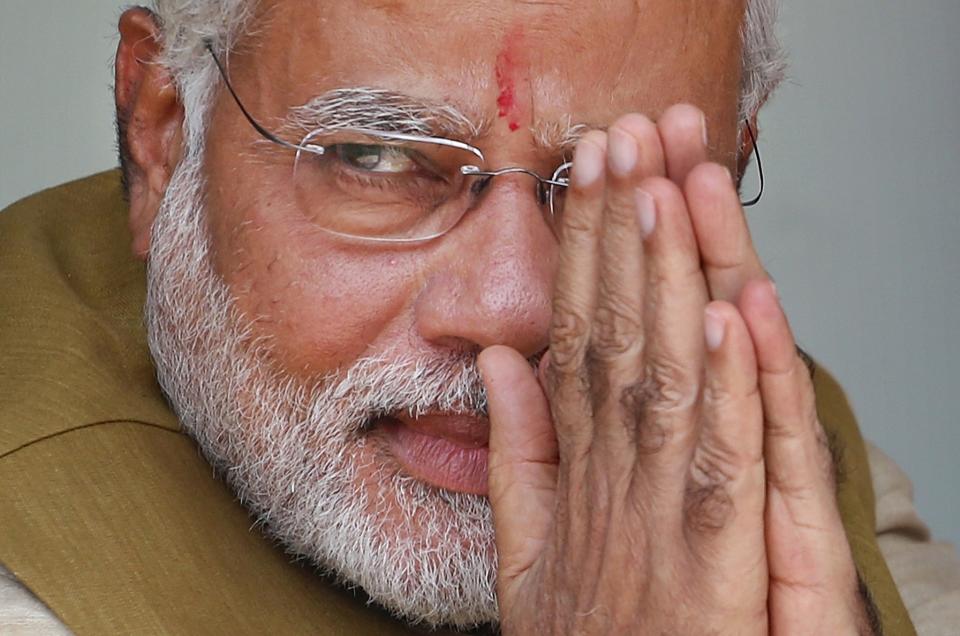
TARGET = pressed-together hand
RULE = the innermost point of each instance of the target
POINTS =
(666, 474)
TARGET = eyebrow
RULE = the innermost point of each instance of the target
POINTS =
(560, 137)
(383, 111)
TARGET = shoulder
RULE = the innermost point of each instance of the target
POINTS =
(84, 189)
(73, 350)
(99, 195)
(71, 238)
(926, 572)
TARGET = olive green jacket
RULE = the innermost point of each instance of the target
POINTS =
(108, 513)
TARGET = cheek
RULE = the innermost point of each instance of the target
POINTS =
(326, 313)
(318, 304)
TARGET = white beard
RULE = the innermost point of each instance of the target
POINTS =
(291, 452)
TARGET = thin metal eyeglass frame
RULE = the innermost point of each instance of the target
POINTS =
(756, 151)
(545, 185)
(313, 148)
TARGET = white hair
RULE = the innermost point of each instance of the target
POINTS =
(299, 454)
(764, 60)
(289, 450)
(185, 24)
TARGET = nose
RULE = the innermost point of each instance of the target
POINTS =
(493, 279)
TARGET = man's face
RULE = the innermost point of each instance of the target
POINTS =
(306, 306)
(488, 281)
(525, 68)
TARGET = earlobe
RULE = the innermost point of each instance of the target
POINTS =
(150, 117)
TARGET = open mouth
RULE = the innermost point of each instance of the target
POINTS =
(444, 450)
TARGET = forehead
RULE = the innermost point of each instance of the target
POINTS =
(556, 62)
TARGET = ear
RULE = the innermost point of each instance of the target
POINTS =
(150, 117)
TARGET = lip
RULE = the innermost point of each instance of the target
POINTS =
(446, 451)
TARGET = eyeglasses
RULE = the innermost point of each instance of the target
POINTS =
(393, 187)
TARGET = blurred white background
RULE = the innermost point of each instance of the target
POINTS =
(860, 225)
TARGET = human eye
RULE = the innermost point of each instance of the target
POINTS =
(370, 169)
(378, 159)
(372, 187)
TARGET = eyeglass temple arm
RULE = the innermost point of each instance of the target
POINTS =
(756, 151)
(555, 181)
(269, 136)
(466, 170)
(266, 134)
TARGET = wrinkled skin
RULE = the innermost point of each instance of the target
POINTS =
(670, 470)
(666, 473)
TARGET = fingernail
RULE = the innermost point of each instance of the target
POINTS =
(776, 292)
(587, 164)
(622, 151)
(703, 130)
(714, 329)
(646, 212)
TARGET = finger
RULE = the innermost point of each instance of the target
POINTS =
(522, 460)
(616, 344)
(808, 554)
(802, 510)
(650, 159)
(683, 132)
(798, 458)
(725, 488)
(575, 294)
(729, 257)
(675, 297)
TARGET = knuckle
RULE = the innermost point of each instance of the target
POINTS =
(708, 508)
(801, 419)
(650, 434)
(678, 273)
(677, 389)
(619, 216)
(616, 329)
(598, 376)
(662, 190)
(718, 395)
(708, 504)
(576, 228)
(787, 373)
(717, 463)
(568, 337)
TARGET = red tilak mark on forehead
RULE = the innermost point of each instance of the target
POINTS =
(508, 66)
(508, 96)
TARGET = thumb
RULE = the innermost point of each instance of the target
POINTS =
(523, 460)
